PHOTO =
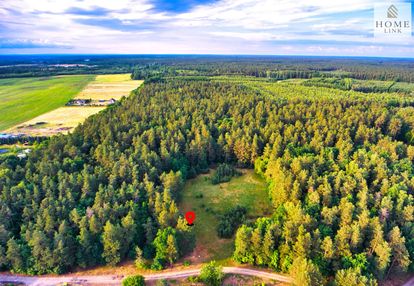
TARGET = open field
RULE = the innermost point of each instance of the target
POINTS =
(22, 99)
(60, 120)
(105, 87)
(248, 190)
(65, 118)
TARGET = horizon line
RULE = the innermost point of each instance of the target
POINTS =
(201, 54)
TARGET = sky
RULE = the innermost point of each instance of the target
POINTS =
(261, 27)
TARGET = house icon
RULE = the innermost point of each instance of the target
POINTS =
(392, 12)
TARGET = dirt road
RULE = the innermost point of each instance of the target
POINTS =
(116, 280)
(409, 282)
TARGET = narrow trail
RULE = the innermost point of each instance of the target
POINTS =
(409, 282)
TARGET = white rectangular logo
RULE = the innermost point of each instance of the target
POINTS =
(392, 20)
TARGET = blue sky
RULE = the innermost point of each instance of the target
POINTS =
(276, 27)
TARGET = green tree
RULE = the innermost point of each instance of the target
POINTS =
(14, 256)
(135, 280)
(64, 247)
(89, 251)
(139, 259)
(165, 244)
(42, 253)
(130, 233)
(112, 238)
(212, 274)
(352, 277)
(305, 273)
(399, 252)
(3, 258)
(171, 251)
(242, 252)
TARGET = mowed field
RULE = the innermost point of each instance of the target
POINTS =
(22, 99)
(248, 190)
(106, 87)
(66, 118)
(60, 120)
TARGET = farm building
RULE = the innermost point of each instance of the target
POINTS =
(78, 102)
(23, 154)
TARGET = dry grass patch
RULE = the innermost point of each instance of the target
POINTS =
(105, 87)
(61, 120)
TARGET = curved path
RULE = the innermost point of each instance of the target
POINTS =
(116, 279)
(409, 282)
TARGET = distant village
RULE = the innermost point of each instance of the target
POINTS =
(90, 102)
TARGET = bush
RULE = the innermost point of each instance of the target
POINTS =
(230, 221)
(139, 259)
(193, 279)
(186, 263)
(157, 264)
(212, 274)
(135, 280)
(223, 173)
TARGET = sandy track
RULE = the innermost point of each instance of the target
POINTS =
(116, 279)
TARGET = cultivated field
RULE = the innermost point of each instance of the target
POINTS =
(248, 190)
(66, 118)
(22, 99)
(61, 120)
(105, 87)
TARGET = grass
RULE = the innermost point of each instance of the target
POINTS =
(22, 99)
(248, 190)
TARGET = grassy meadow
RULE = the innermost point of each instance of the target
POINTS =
(248, 190)
(22, 99)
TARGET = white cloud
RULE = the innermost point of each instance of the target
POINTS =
(227, 26)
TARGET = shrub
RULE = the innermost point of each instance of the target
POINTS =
(223, 173)
(212, 274)
(230, 221)
(135, 280)
(139, 259)
(186, 263)
(193, 279)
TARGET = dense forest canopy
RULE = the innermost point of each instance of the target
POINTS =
(144, 66)
(339, 164)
